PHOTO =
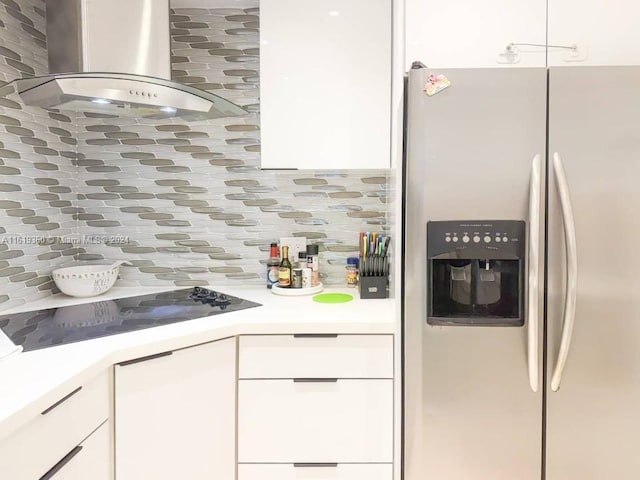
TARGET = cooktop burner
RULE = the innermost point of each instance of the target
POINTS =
(58, 326)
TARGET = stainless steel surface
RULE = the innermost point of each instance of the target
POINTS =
(569, 314)
(114, 57)
(64, 35)
(469, 410)
(534, 277)
(117, 36)
(128, 95)
(593, 421)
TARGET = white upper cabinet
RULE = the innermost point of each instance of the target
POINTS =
(605, 32)
(474, 34)
(175, 414)
(325, 83)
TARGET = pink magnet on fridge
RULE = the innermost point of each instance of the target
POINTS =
(435, 84)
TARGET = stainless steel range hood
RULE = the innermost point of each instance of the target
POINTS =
(114, 57)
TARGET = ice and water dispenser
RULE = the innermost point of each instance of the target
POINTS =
(476, 273)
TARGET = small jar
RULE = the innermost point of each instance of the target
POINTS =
(352, 271)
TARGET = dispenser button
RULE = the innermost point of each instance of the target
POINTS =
(505, 239)
(465, 239)
(447, 239)
(498, 239)
(476, 239)
(455, 239)
(487, 239)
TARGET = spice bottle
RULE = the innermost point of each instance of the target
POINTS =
(313, 264)
(296, 278)
(302, 260)
(352, 271)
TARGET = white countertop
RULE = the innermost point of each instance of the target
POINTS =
(30, 382)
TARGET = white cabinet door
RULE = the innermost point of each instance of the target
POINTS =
(316, 356)
(606, 32)
(325, 83)
(47, 438)
(89, 461)
(315, 420)
(175, 415)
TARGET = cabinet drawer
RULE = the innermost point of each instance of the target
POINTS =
(342, 421)
(89, 461)
(39, 445)
(341, 471)
(316, 356)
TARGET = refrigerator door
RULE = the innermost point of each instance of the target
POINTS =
(593, 420)
(470, 412)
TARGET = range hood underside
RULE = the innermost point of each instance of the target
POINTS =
(124, 95)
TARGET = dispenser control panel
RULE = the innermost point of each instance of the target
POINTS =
(492, 235)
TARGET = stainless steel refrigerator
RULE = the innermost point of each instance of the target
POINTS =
(522, 275)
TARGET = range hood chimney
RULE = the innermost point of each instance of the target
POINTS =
(114, 57)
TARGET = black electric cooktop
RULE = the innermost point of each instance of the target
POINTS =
(57, 326)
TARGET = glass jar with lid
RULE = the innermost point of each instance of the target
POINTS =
(352, 271)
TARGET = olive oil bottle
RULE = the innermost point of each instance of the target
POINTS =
(284, 273)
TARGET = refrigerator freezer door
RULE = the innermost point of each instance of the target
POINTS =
(593, 420)
(470, 412)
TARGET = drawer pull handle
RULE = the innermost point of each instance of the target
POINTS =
(314, 465)
(63, 399)
(144, 359)
(315, 335)
(315, 380)
(58, 466)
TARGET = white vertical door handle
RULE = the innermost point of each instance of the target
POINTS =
(533, 281)
(572, 272)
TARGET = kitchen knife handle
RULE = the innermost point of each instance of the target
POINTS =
(571, 272)
(534, 262)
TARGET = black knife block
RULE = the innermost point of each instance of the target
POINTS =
(373, 287)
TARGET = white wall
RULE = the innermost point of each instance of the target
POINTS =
(471, 33)
(607, 28)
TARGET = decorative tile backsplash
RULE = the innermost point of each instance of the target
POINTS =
(185, 202)
(37, 177)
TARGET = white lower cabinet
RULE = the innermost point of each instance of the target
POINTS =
(340, 356)
(315, 472)
(56, 432)
(91, 460)
(315, 420)
(175, 414)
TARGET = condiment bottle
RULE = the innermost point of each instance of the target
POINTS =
(284, 272)
(273, 266)
(313, 264)
(352, 271)
(296, 278)
(302, 260)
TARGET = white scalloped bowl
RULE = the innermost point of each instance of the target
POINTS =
(85, 280)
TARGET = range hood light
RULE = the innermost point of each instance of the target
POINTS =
(169, 110)
(101, 101)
